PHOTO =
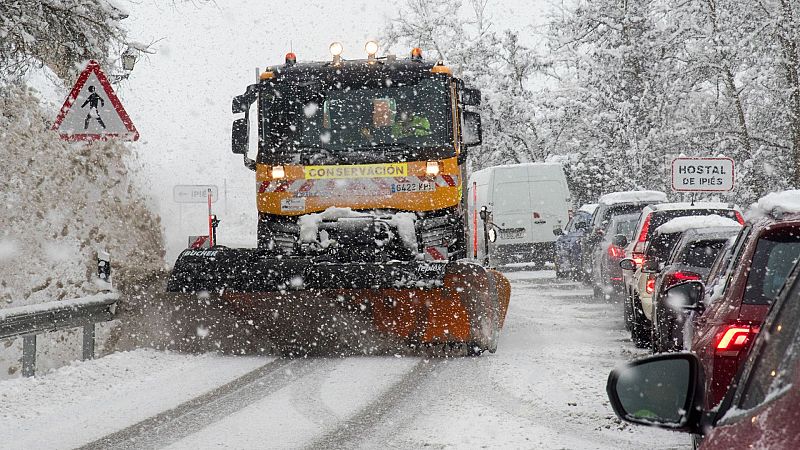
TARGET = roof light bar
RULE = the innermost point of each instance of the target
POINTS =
(336, 51)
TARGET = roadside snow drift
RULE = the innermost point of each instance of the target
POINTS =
(62, 202)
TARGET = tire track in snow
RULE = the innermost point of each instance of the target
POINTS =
(308, 401)
(349, 432)
(188, 418)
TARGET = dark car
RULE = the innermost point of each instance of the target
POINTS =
(608, 206)
(759, 411)
(640, 285)
(691, 259)
(568, 248)
(606, 276)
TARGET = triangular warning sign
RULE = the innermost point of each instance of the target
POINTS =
(92, 110)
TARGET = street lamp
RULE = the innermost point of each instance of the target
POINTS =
(128, 59)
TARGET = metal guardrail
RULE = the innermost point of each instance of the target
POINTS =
(29, 321)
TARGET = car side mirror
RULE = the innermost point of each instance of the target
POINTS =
(687, 296)
(484, 214)
(650, 265)
(664, 391)
(628, 264)
(558, 231)
(240, 133)
(620, 240)
(472, 130)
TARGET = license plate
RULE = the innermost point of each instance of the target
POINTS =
(513, 233)
(425, 186)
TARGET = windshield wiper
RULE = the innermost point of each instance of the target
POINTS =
(320, 152)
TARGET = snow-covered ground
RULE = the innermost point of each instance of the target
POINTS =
(544, 388)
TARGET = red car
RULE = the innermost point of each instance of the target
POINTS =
(759, 411)
(735, 307)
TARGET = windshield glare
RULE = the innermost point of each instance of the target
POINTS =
(361, 117)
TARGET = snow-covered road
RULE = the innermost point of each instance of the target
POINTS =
(544, 388)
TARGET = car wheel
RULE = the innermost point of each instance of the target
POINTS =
(598, 294)
(655, 335)
(559, 274)
(627, 312)
(640, 328)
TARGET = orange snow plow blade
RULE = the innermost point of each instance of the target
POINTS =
(467, 308)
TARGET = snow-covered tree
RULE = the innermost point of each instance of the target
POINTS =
(60, 34)
(462, 34)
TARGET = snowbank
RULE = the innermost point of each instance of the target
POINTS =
(681, 224)
(64, 202)
(785, 202)
(632, 196)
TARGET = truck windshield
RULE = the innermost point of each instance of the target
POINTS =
(405, 118)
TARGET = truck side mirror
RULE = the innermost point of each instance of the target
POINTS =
(484, 214)
(240, 133)
(471, 129)
(558, 231)
(470, 97)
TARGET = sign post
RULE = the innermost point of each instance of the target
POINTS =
(198, 193)
(702, 174)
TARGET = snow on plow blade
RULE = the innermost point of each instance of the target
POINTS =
(412, 302)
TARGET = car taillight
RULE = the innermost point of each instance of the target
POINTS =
(645, 228)
(733, 338)
(672, 279)
(638, 258)
(739, 217)
(616, 252)
(650, 286)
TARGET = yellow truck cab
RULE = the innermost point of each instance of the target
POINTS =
(378, 136)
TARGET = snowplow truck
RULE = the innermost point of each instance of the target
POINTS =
(359, 181)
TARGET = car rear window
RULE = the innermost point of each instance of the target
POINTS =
(659, 218)
(702, 253)
(661, 245)
(776, 253)
(624, 224)
(617, 210)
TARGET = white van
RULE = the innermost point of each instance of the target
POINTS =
(525, 203)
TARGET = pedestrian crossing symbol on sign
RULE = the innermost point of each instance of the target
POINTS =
(92, 110)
